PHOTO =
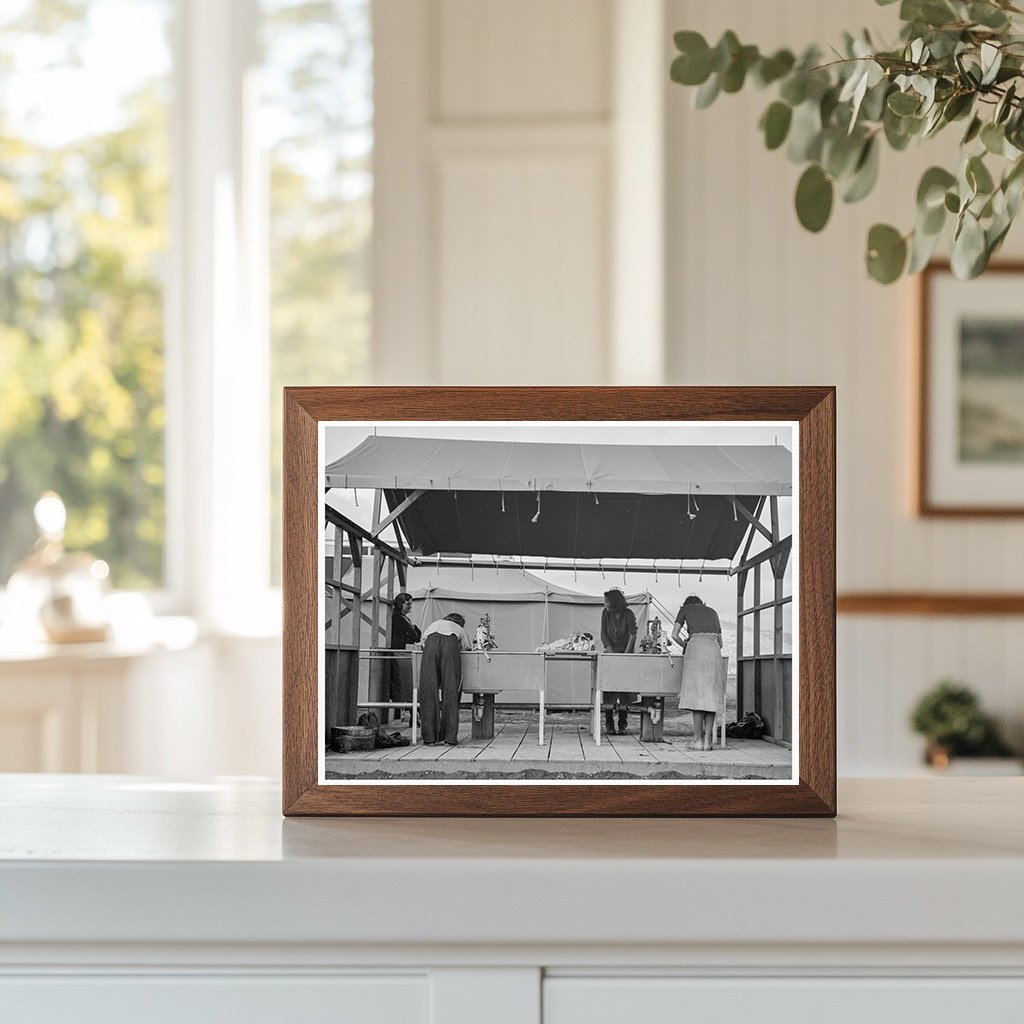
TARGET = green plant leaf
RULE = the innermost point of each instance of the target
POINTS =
(775, 124)
(952, 202)
(993, 138)
(973, 129)
(771, 69)
(886, 253)
(735, 74)
(931, 190)
(707, 93)
(922, 247)
(978, 176)
(814, 194)
(904, 103)
(805, 133)
(725, 49)
(865, 173)
(794, 89)
(693, 65)
(968, 255)
(987, 15)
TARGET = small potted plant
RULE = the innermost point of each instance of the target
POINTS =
(951, 719)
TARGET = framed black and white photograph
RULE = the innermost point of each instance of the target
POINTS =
(971, 393)
(553, 615)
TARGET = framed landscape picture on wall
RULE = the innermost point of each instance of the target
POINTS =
(573, 601)
(970, 450)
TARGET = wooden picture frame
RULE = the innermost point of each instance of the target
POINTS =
(813, 789)
(937, 482)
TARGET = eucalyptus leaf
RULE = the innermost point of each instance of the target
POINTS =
(987, 15)
(724, 51)
(794, 88)
(865, 173)
(886, 253)
(922, 248)
(931, 190)
(775, 124)
(707, 93)
(978, 176)
(814, 195)
(968, 247)
(993, 138)
(991, 60)
(904, 103)
(973, 130)
(771, 69)
(805, 133)
(1005, 104)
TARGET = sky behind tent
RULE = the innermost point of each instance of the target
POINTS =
(667, 588)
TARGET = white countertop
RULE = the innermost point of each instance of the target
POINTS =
(122, 859)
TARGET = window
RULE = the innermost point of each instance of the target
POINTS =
(317, 120)
(83, 237)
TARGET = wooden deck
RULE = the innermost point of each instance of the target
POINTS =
(568, 750)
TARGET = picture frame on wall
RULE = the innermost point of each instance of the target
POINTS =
(559, 601)
(970, 386)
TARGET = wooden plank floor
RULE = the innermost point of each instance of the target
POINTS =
(516, 743)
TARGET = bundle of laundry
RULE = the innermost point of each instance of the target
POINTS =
(574, 642)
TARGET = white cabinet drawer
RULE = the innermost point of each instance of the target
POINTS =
(205, 999)
(570, 1000)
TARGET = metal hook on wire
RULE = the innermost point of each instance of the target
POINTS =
(537, 514)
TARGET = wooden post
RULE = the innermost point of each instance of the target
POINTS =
(388, 612)
(756, 652)
(741, 592)
(376, 687)
(355, 665)
(778, 570)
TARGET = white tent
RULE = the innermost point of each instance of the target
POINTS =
(525, 612)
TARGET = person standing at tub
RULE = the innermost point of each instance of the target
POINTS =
(702, 667)
(618, 635)
(441, 679)
(403, 633)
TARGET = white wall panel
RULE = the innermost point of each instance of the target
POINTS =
(522, 279)
(528, 58)
(754, 299)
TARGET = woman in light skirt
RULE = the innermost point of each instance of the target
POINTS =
(703, 683)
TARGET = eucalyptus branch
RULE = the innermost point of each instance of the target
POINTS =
(953, 60)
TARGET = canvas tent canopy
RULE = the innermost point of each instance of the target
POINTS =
(584, 501)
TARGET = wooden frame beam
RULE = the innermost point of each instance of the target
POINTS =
(392, 516)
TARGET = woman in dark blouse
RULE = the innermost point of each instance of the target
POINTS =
(403, 633)
(618, 635)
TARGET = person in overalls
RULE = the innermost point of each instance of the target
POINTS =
(441, 679)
